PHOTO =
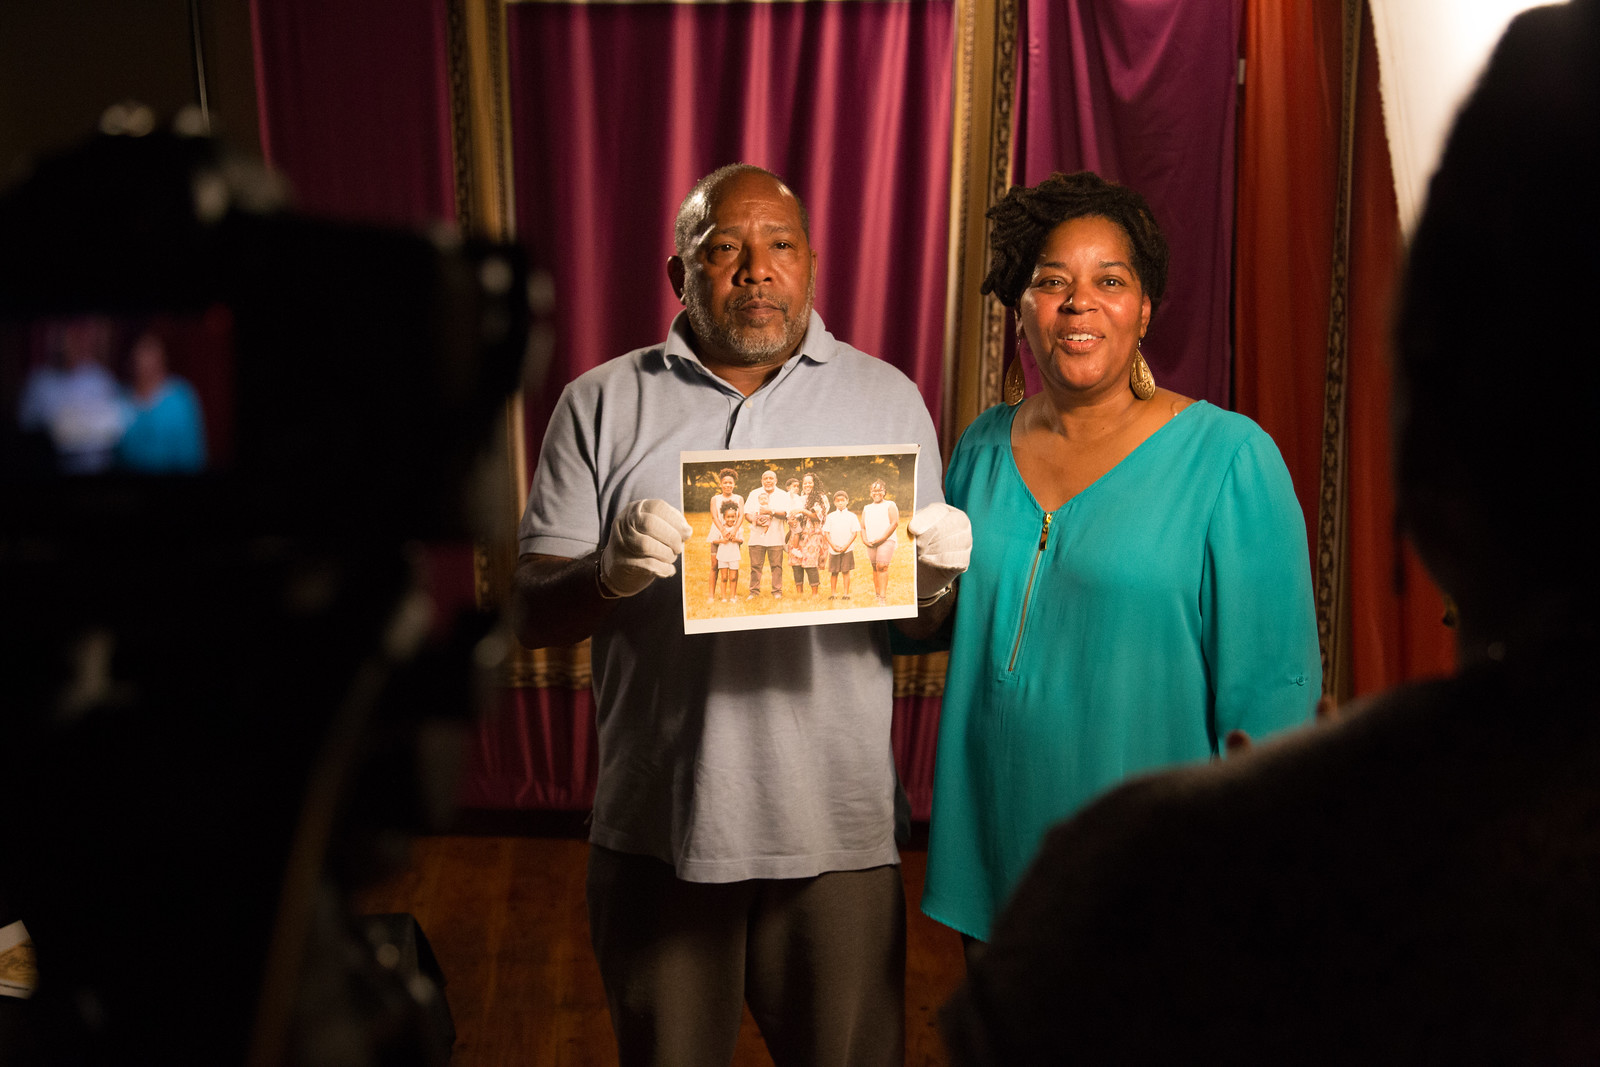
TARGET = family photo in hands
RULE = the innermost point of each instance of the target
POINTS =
(779, 538)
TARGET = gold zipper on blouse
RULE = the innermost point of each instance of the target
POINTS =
(1027, 593)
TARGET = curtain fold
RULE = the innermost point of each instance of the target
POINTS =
(1288, 179)
(354, 103)
(539, 751)
(1144, 94)
(1396, 630)
(616, 110)
(1293, 101)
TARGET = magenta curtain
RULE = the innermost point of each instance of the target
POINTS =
(617, 109)
(539, 752)
(1143, 92)
(354, 101)
(914, 735)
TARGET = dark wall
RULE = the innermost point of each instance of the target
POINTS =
(62, 64)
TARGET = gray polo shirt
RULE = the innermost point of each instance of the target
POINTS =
(762, 754)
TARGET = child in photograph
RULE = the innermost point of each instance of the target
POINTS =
(792, 487)
(727, 555)
(841, 529)
(728, 478)
(791, 520)
(880, 523)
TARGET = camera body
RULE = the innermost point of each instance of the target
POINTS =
(220, 676)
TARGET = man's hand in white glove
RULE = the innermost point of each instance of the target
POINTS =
(944, 547)
(645, 541)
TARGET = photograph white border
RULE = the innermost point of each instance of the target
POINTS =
(908, 456)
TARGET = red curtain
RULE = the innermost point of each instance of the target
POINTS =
(914, 735)
(1288, 183)
(1143, 94)
(354, 101)
(1396, 630)
(541, 752)
(617, 109)
(1288, 179)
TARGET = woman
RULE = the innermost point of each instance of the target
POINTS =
(1140, 584)
(166, 433)
(806, 537)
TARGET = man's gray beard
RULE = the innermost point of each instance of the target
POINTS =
(751, 346)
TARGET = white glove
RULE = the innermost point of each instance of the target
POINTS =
(645, 541)
(944, 547)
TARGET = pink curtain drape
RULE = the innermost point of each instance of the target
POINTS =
(1396, 626)
(354, 102)
(1288, 192)
(1144, 94)
(617, 109)
(539, 752)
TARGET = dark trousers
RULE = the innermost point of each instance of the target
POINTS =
(821, 962)
(765, 556)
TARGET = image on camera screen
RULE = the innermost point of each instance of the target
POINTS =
(94, 393)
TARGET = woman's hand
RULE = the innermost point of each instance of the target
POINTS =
(1238, 742)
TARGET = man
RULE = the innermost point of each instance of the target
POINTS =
(1418, 883)
(743, 846)
(764, 509)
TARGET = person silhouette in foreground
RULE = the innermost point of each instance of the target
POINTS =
(1418, 882)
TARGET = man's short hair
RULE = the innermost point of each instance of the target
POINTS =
(692, 213)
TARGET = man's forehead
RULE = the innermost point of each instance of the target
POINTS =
(730, 205)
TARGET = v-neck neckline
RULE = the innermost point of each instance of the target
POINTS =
(1011, 455)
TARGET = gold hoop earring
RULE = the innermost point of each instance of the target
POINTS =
(1140, 379)
(1015, 386)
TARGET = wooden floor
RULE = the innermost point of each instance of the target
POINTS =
(506, 920)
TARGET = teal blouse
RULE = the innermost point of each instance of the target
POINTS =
(1131, 628)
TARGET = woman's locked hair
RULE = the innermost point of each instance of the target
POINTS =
(1024, 219)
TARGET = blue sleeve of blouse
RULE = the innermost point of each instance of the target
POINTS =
(1258, 618)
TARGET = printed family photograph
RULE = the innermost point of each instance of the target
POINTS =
(798, 537)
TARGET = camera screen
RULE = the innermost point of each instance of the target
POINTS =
(107, 394)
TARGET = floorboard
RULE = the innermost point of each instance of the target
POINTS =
(505, 916)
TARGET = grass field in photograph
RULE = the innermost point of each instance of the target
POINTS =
(698, 553)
